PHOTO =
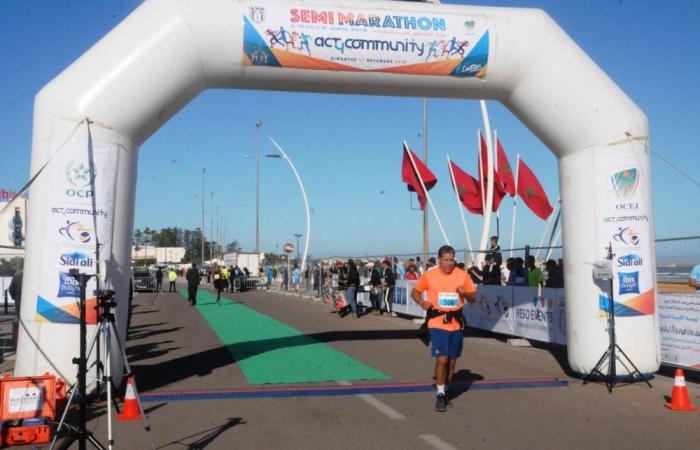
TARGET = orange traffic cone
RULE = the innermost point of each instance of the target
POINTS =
(680, 401)
(130, 410)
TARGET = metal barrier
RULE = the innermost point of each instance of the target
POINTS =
(144, 283)
(250, 283)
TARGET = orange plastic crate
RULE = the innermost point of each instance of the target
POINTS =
(36, 431)
(27, 397)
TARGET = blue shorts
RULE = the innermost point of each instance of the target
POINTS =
(446, 343)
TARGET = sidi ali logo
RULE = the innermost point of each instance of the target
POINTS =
(76, 232)
(625, 183)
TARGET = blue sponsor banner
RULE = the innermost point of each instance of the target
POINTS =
(629, 283)
(67, 286)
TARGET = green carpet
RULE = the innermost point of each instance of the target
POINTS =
(269, 351)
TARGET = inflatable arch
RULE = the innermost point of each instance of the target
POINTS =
(168, 51)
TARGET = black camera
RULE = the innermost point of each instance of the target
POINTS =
(105, 298)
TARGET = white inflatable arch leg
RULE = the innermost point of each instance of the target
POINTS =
(168, 51)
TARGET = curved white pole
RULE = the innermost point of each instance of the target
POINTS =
(460, 207)
(515, 203)
(489, 186)
(554, 242)
(306, 204)
(546, 228)
(430, 202)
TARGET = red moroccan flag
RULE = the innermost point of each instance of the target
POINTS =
(530, 190)
(498, 190)
(468, 190)
(409, 176)
(505, 174)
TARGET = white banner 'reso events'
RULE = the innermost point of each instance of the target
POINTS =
(493, 309)
(82, 210)
(539, 314)
(623, 199)
(679, 321)
(360, 39)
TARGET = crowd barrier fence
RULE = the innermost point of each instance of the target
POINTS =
(540, 314)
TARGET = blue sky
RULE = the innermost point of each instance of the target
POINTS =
(348, 148)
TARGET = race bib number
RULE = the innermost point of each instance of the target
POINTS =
(448, 300)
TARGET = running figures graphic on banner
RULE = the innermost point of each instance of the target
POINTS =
(623, 201)
(358, 39)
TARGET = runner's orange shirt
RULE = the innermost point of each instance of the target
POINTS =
(441, 285)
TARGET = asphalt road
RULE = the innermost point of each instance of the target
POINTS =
(172, 348)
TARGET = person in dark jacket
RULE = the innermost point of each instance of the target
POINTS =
(375, 290)
(15, 290)
(193, 279)
(159, 280)
(555, 277)
(389, 283)
(491, 272)
(351, 290)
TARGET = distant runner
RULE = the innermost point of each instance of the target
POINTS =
(447, 288)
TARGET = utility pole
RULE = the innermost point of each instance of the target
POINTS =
(211, 225)
(217, 231)
(258, 125)
(204, 170)
(426, 242)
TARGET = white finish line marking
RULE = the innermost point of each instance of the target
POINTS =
(378, 404)
(436, 442)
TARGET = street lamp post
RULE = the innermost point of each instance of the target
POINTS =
(211, 224)
(297, 235)
(283, 155)
(258, 125)
(204, 170)
(217, 232)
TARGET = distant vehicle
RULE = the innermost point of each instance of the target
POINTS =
(144, 280)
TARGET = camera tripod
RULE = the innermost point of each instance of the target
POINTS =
(106, 329)
(613, 353)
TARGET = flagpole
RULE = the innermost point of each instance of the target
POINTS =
(495, 166)
(544, 234)
(460, 207)
(515, 201)
(427, 195)
(489, 187)
(481, 171)
(426, 240)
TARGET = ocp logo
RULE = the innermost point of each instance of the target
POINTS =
(80, 174)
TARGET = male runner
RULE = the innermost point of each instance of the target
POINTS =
(447, 288)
